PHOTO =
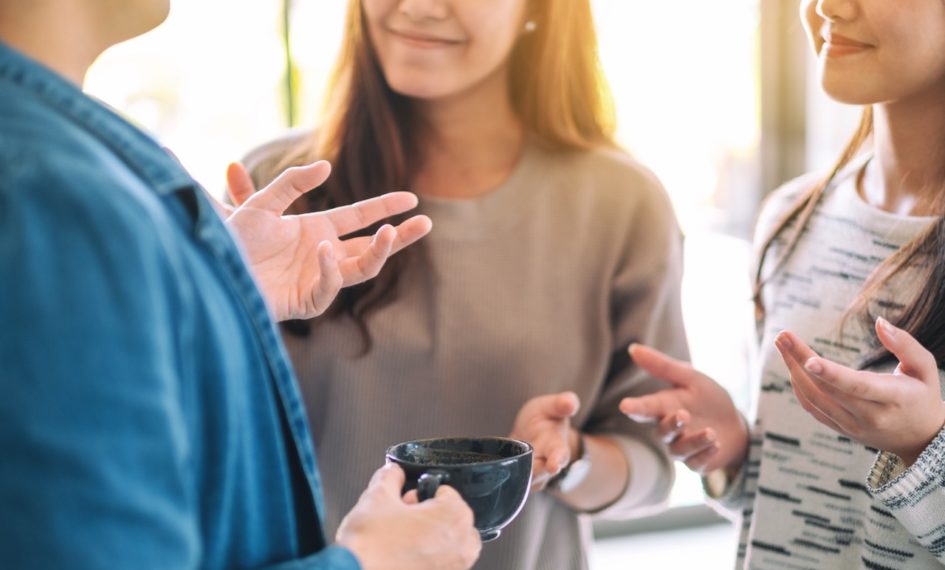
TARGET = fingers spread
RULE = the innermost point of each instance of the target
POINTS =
(407, 233)
(673, 425)
(289, 186)
(661, 366)
(650, 408)
(411, 231)
(700, 460)
(360, 215)
(329, 278)
(369, 263)
(565, 405)
(691, 444)
(239, 185)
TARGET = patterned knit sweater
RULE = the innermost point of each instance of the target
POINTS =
(810, 497)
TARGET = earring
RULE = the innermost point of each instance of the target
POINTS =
(530, 26)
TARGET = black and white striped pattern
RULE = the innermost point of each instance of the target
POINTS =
(804, 495)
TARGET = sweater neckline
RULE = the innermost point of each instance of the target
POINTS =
(472, 219)
(888, 223)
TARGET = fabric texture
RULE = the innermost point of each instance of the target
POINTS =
(534, 288)
(149, 416)
(810, 497)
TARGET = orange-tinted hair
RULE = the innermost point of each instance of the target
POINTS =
(370, 133)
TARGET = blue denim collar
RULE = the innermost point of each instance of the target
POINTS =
(139, 151)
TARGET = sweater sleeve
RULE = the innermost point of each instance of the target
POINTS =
(915, 495)
(732, 497)
(645, 307)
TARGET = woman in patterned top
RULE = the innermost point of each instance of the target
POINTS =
(845, 465)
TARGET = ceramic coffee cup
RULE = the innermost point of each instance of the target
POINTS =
(492, 474)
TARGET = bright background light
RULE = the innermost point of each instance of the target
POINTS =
(210, 84)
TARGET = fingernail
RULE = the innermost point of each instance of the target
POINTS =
(886, 326)
(813, 366)
(784, 341)
(640, 418)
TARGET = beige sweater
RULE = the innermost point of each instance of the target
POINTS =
(535, 288)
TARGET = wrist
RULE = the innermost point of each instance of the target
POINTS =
(354, 548)
(578, 467)
(911, 454)
(575, 445)
(735, 464)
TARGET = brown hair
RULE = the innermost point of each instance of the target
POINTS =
(369, 132)
(923, 316)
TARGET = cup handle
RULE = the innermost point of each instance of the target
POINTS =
(429, 482)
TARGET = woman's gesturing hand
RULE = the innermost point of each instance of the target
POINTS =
(301, 262)
(545, 423)
(695, 416)
(900, 412)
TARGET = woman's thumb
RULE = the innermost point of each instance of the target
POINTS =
(567, 404)
(914, 359)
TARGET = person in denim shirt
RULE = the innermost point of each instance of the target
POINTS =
(149, 416)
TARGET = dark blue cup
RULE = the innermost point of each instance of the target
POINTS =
(492, 474)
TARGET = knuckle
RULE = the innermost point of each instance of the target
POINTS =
(854, 431)
(334, 282)
(878, 421)
(471, 554)
(927, 362)
(461, 514)
(859, 390)
(360, 214)
(370, 266)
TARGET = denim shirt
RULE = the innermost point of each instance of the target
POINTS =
(149, 417)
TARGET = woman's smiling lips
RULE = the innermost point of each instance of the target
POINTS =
(423, 41)
(837, 45)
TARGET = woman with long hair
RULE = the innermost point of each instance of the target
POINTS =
(843, 466)
(552, 250)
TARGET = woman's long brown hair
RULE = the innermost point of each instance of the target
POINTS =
(922, 316)
(369, 133)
